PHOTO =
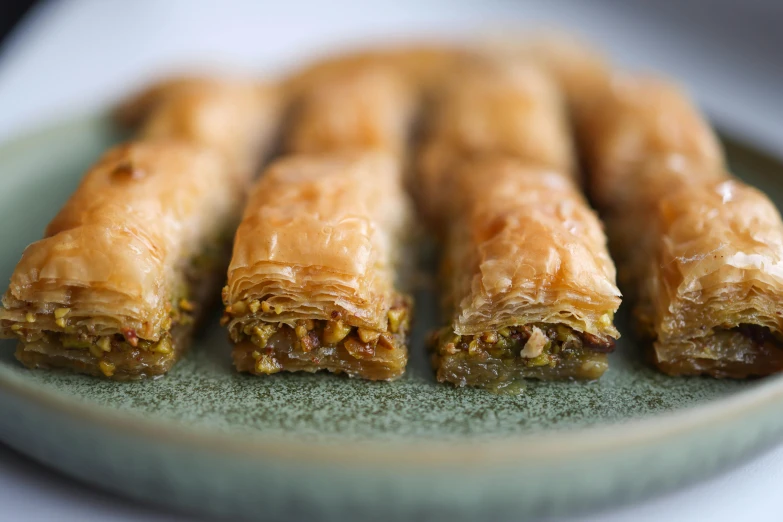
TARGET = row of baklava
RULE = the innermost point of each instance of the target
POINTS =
(128, 266)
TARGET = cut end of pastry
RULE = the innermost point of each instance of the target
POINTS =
(509, 355)
(265, 347)
(745, 351)
(110, 357)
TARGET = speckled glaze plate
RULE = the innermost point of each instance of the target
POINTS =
(208, 440)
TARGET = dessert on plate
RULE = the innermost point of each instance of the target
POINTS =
(130, 263)
(312, 281)
(529, 286)
(700, 251)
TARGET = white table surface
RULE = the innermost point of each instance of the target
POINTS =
(69, 56)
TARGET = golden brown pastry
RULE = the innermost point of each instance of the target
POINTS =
(636, 211)
(237, 117)
(115, 285)
(131, 261)
(422, 65)
(715, 290)
(701, 251)
(491, 107)
(369, 107)
(529, 285)
(311, 285)
(580, 70)
(637, 119)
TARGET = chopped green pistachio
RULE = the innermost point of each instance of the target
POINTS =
(301, 330)
(261, 334)
(386, 341)
(395, 318)
(104, 343)
(163, 346)
(267, 364)
(368, 335)
(107, 368)
(335, 331)
(541, 360)
(489, 337)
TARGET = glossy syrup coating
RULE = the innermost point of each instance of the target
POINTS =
(698, 250)
(490, 107)
(371, 107)
(113, 255)
(321, 234)
(524, 248)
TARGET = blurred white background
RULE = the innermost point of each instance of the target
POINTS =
(70, 56)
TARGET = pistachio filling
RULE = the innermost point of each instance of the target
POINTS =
(532, 345)
(315, 339)
(115, 352)
(497, 360)
(108, 351)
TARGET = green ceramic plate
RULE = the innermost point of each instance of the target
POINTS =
(208, 440)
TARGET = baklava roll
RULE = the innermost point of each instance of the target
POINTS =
(423, 65)
(529, 282)
(714, 290)
(701, 251)
(311, 285)
(127, 264)
(634, 120)
(580, 70)
(530, 288)
(370, 107)
(237, 117)
(490, 107)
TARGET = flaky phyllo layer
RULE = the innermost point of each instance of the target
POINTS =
(489, 107)
(116, 259)
(113, 253)
(635, 120)
(529, 287)
(368, 107)
(129, 263)
(235, 117)
(699, 250)
(527, 249)
(719, 267)
(321, 234)
(317, 253)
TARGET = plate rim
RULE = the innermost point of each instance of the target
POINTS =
(548, 446)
